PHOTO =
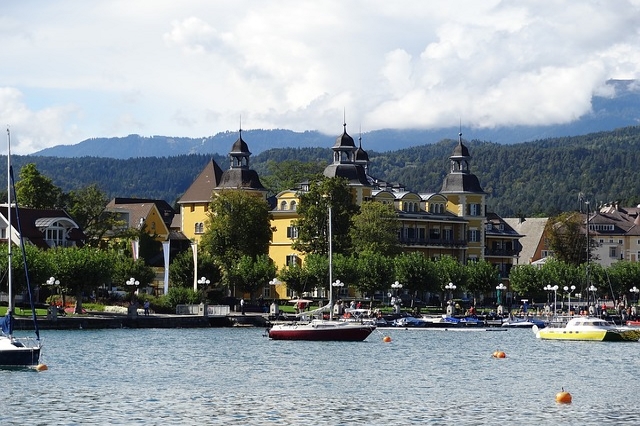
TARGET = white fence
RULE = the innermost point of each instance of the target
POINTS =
(204, 310)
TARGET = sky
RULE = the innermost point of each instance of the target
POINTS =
(72, 70)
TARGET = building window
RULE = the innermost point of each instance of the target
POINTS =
(55, 235)
(283, 205)
(474, 210)
(434, 233)
(612, 252)
(293, 205)
(292, 260)
(474, 235)
(199, 228)
(447, 234)
(620, 242)
(292, 232)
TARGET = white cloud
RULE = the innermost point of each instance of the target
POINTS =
(75, 70)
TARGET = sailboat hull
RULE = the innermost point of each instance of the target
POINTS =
(321, 330)
(14, 353)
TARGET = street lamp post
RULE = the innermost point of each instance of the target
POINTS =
(396, 286)
(500, 287)
(593, 290)
(635, 290)
(554, 289)
(338, 285)
(451, 286)
(131, 282)
(569, 290)
(204, 283)
(54, 308)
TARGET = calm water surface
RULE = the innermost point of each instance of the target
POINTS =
(239, 377)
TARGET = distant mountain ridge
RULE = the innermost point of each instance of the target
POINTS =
(607, 114)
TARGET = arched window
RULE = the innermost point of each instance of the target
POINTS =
(283, 205)
(294, 206)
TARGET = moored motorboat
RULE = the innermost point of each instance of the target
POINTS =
(527, 322)
(589, 328)
(322, 330)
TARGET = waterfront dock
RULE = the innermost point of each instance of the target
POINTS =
(99, 320)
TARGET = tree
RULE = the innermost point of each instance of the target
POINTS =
(38, 266)
(313, 214)
(36, 190)
(482, 277)
(251, 274)
(624, 275)
(296, 278)
(86, 206)
(526, 279)
(376, 272)
(556, 272)
(238, 224)
(416, 272)
(375, 229)
(126, 267)
(283, 175)
(83, 270)
(181, 269)
(317, 271)
(566, 238)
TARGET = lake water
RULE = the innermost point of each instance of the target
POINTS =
(236, 376)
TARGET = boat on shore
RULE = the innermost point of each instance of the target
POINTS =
(590, 329)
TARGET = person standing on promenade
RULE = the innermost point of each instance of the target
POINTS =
(242, 306)
(146, 308)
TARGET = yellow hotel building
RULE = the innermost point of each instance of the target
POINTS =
(452, 222)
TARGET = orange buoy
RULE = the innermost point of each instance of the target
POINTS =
(499, 354)
(563, 397)
(386, 339)
(41, 367)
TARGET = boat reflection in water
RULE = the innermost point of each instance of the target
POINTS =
(589, 328)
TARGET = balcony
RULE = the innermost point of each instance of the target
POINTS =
(435, 242)
(501, 252)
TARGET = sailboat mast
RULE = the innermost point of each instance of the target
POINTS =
(330, 268)
(9, 252)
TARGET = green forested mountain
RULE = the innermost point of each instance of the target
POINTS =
(533, 178)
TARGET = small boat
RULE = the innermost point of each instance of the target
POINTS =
(527, 322)
(589, 328)
(322, 330)
(446, 321)
(23, 352)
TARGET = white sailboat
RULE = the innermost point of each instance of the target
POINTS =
(16, 352)
(321, 329)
